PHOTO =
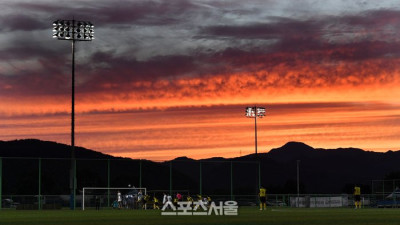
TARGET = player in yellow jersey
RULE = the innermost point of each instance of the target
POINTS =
(357, 197)
(155, 203)
(145, 200)
(263, 198)
(189, 199)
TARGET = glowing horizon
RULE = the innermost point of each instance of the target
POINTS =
(166, 134)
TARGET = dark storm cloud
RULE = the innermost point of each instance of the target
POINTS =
(280, 29)
(24, 51)
(22, 22)
(372, 18)
(364, 35)
(113, 12)
(153, 68)
(50, 79)
(141, 12)
(121, 71)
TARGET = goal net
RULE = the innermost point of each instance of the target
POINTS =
(102, 197)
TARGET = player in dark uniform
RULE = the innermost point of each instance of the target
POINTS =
(97, 201)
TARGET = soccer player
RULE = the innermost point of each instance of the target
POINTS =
(164, 199)
(175, 201)
(119, 198)
(169, 201)
(189, 199)
(209, 200)
(169, 198)
(97, 201)
(155, 203)
(357, 197)
(263, 198)
(140, 199)
(205, 202)
(145, 199)
(179, 197)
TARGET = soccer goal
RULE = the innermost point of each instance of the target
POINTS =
(102, 197)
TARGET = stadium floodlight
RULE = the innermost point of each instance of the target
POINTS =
(73, 30)
(254, 112)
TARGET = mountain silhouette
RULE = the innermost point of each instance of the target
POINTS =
(291, 151)
(321, 170)
(33, 148)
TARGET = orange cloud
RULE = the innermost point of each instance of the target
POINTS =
(306, 82)
(201, 132)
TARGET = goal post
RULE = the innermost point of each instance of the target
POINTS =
(93, 196)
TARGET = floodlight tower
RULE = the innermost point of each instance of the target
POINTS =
(73, 30)
(254, 112)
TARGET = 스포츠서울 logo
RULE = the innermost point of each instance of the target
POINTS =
(198, 208)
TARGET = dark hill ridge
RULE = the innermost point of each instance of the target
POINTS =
(329, 169)
(321, 170)
(33, 148)
(291, 151)
(298, 146)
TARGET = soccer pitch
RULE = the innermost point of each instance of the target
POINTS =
(247, 216)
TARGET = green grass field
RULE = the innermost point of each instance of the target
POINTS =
(247, 216)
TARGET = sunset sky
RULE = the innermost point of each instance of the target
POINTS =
(170, 78)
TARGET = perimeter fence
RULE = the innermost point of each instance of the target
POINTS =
(42, 183)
